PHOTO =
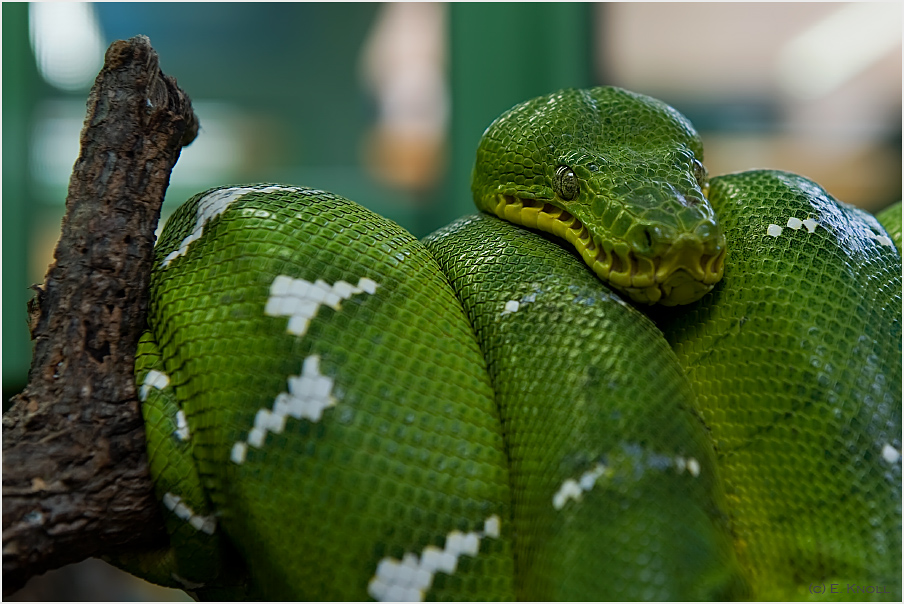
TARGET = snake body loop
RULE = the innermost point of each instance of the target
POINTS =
(279, 339)
(796, 361)
(337, 411)
(583, 380)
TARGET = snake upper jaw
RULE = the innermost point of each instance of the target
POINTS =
(703, 262)
(681, 273)
(677, 272)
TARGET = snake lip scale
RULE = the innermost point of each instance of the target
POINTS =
(690, 267)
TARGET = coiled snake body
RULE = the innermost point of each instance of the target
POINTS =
(336, 410)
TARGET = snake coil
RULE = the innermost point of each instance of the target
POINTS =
(337, 411)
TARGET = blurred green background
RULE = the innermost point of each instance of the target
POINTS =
(385, 103)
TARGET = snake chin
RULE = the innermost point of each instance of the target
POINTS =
(681, 275)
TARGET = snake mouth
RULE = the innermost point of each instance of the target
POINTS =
(683, 274)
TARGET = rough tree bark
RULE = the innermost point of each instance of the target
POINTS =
(75, 479)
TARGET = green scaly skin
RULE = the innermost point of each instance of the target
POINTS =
(355, 450)
(890, 219)
(583, 382)
(395, 464)
(796, 360)
(204, 552)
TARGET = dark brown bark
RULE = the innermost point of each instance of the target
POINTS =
(75, 479)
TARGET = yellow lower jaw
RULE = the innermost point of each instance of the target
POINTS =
(685, 276)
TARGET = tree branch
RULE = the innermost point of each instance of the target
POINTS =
(75, 479)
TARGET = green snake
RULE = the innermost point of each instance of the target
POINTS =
(338, 411)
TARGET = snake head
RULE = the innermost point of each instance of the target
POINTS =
(619, 175)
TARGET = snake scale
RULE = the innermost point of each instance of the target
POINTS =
(621, 381)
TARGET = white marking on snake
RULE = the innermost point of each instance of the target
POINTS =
(492, 527)
(882, 239)
(575, 489)
(515, 305)
(308, 396)
(299, 299)
(408, 579)
(159, 380)
(693, 466)
(154, 379)
(890, 454)
(690, 464)
(174, 503)
(239, 450)
(211, 206)
(182, 432)
(510, 307)
(793, 223)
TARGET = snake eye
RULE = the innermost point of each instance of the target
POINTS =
(566, 183)
(700, 173)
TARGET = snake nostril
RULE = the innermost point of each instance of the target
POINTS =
(705, 231)
(654, 236)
